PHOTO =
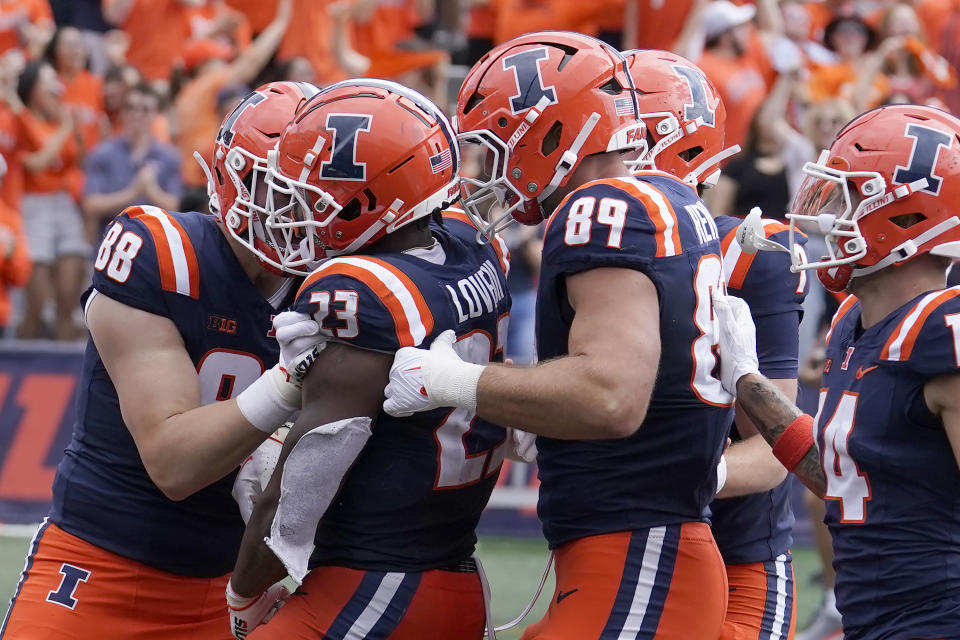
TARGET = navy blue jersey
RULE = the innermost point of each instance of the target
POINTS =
(758, 527)
(413, 498)
(893, 486)
(665, 472)
(176, 265)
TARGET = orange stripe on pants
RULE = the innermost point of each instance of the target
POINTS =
(445, 606)
(751, 606)
(599, 593)
(119, 599)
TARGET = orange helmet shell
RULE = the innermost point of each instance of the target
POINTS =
(541, 103)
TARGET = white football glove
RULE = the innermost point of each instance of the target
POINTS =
(255, 472)
(300, 343)
(737, 338)
(246, 614)
(275, 395)
(424, 379)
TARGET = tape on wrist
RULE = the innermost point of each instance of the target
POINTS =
(721, 474)
(263, 405)
(456, 386)
(794, 443)
(236, 601)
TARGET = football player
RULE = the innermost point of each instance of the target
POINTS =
(631, 419)
(685, 120)
(180, 383)
(370, 165)
(888, 423)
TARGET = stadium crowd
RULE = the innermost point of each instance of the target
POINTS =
(102, 104)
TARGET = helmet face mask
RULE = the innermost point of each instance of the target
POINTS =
(238, 183)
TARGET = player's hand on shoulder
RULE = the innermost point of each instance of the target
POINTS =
(737, 339)
(301, 341)
(425, 379)
(246, 614)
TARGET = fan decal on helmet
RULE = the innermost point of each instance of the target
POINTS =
(343, 165)
(225, 136)
(526, 73)
(927, 142)
(699, 108)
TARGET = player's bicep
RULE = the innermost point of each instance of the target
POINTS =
(616, 319)
(147, 362)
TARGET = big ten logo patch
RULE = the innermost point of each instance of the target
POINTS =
(221, 324)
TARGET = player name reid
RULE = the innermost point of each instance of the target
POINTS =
(477, 294)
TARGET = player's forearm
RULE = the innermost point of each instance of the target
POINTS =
(257, 567)
(751, 468)
(194, 449)
(564, 398)
(771, 413)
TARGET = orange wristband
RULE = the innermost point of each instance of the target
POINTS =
(794, 443)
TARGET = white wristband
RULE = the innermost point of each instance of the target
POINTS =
(236, 601)
(267, 403)
(454, 384)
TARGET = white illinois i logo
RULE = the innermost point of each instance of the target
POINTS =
(846, 359)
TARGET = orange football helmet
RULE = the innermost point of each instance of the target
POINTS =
(537, 105)
(684, 116)
(885, 191)
(360, 160)
(237, 184)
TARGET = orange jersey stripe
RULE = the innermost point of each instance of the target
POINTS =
(165, 252)
(456, 214)
(906, 348)
(664, 220)
(383, 292)
(842, 310)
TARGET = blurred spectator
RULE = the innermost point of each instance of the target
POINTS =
(52, 221)
(311, 35)
(735, 58)
(16, 129)
(86, 16)
(851, 39)
(14, 260)
(910, 70)
(384, 34)
(768, 172)
(654, 24)
(25, 24)
(798, 28)
(133, 167)
(212, 66)
(259, 13)
(157, 30)
(82, 91)
(214, 20)
(116, 82)
(941, 24)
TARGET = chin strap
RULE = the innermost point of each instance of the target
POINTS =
(569, 158)
(909, 248)
(694, 176)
